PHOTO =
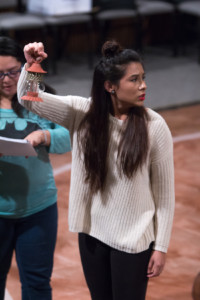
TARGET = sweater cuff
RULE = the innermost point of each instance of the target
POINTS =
(160, 248)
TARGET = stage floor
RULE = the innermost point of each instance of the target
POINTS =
(183, 259)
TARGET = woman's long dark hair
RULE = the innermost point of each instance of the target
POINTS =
(93, 132)
(8, 47)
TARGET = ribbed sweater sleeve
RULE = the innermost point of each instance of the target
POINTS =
(60, 109)
(162, 182)
(129, 213)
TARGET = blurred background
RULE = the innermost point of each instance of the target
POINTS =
(167, 35)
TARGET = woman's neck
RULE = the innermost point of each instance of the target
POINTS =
(5, 103)
(119, 111)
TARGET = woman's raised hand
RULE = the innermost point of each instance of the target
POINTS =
(34, 52)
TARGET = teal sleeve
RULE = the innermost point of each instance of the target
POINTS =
(60, 139)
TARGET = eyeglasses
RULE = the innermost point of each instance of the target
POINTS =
(11, 74)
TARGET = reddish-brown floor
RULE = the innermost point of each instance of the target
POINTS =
(183, 259)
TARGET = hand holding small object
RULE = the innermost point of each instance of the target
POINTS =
(34, 53)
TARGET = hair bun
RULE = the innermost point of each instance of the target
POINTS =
(111, 48)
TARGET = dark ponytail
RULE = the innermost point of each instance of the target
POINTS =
(93, 132)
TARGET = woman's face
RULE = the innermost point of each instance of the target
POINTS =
(8, 83)
(131, 88)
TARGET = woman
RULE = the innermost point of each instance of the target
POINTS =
(28, 195)
(122, 184)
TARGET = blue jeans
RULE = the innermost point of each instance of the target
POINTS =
(33, 238)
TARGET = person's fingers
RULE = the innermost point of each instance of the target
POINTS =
(34, 52)
(156, 263)
(39, 49)
(154, 270)
(154, 273)
(150, 266)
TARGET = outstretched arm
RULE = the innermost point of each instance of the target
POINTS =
(57, 109)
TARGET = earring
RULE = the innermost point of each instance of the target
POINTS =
(112, 92)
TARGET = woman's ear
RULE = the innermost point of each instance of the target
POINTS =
(108, 86)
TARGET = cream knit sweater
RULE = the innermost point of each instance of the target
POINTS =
(130, 213)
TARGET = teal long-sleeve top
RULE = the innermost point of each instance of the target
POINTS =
(27, 185)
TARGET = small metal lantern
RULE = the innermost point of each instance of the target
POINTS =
(34, 83)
